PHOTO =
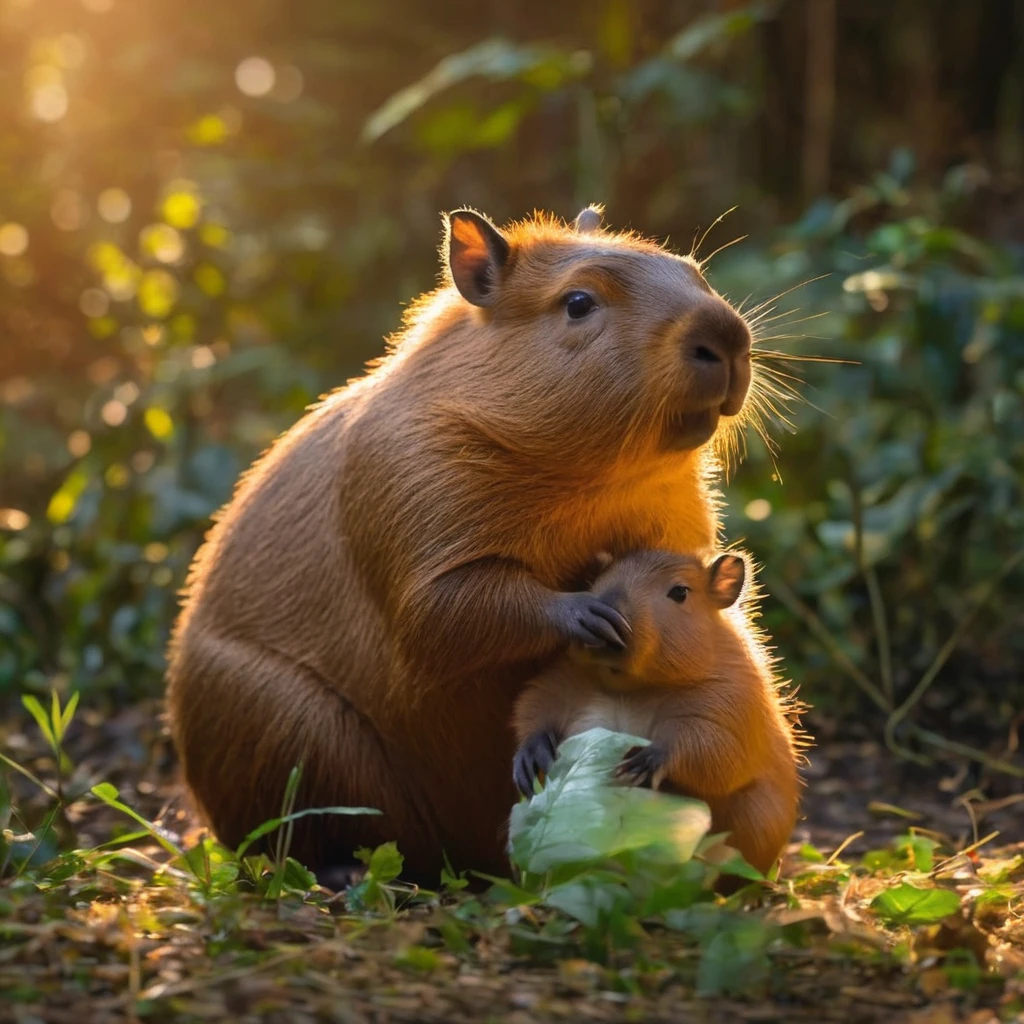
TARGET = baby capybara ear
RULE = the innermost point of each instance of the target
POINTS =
(477, 254)
(725, 580)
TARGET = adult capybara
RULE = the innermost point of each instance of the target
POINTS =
(392, 571)
(689, 680)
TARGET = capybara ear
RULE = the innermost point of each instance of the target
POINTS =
(725, 580)
(588, 219)
(477, 254)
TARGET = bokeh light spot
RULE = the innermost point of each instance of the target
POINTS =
(102, 327)
(216, 236)
(143, 462)
(158, 291)
(13, 519)
(155, 552)
(208, 131)
(759, 509)
(255, 76)
(183, 326)
(159, 423)
(13, 239)
(105, 256)
(127, 392)
(48, 99)
(202, 357)
(114, 413)
(114, 205)
(120, 275)
(210, 279)
(79, 443)
(181, 209)
(162, 242)
(117, 476)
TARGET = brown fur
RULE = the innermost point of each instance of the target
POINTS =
(692, 683)
(388, 576)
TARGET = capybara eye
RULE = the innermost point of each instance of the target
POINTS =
(678, 593)
(579, 304)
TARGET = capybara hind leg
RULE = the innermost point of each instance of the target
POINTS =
(243, 716)
(760, 819)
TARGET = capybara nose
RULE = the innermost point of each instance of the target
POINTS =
(717, 347)
(704, 353)
(715, 332)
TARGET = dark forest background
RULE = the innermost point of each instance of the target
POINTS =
(211, 213)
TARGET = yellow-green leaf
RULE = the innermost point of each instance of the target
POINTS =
(36, 710)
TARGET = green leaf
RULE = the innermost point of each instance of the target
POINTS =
(712, 28)
(591, 897)
(383, 866)
(811, 854)
(69, 713)
(212, 864)
(906, 904)
(736, 957)
(581, 816)
(35, 709)
(450, 880)
(49, 791)
(418, 958)
(297, 877)
(109, 795)
(506, 892)
(688, 885)
(454, 932)
(920, 850)
(58, 733)
(494, 59)
(273, 823)
(385, 863)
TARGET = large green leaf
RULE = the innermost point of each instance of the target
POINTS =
(906, 904)
(582, 816)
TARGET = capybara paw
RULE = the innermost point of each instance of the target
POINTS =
(643, 766)
(533, 758)
(588, 621)
(339, 877)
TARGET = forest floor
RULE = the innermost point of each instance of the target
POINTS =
(111, 938)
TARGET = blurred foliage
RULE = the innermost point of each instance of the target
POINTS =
(210, 216)
(902, 511)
